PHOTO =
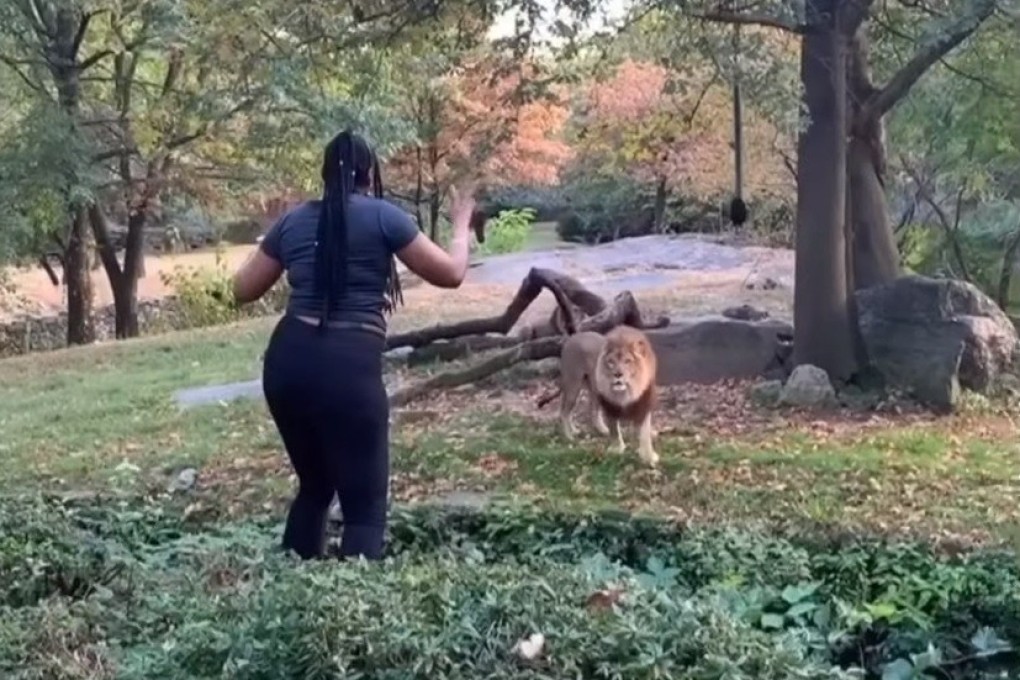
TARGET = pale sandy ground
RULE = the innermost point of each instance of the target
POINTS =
(38, 295)
(682, 274)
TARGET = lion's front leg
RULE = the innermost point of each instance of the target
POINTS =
(616, 430)
(646, 452)
(598, 416)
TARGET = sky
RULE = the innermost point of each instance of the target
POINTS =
(611, 11)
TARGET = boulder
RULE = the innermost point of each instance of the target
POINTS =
(745, 312)
(808, 387)
(710, 349)
(932, 336)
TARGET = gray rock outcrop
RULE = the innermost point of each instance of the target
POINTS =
(931, 337)
(710, 349)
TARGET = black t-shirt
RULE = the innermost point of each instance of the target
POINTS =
(376, 229)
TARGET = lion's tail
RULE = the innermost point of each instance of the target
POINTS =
(549, 397)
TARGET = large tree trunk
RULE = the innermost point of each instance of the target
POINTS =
(875, 257)
(822, 324)
(78, 279)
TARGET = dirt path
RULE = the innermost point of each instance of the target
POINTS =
(35, 294)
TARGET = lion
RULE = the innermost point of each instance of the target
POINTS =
(618, 370)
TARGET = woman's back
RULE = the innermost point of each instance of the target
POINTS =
(376, 230)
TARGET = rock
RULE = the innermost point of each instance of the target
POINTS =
(766, 393)
(932, 336)
(763, 283)
(184, 481)
(808, 387)
(470, 500)
(745, 313)
(710, 349)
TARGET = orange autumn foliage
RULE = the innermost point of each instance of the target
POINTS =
(469, 126)
(655, 126)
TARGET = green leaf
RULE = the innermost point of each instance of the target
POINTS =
(900, 669)
(987, 641)
(801, 608)
(930, 658)
(882, 610)
(771, 621)
(794, 594)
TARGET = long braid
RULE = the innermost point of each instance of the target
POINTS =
(346, 164)
(331, 250)
(394, 294)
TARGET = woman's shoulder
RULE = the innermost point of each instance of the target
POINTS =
(384, 205)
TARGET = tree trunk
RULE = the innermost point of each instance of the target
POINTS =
(65, 69)
(659, 214)
(822, 324)
(1006, 274)
(419, 190)
(81, 328)
(434, 203)
(875, 257)
(126, 303)
(123, 279)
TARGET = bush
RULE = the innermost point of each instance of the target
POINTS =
(508, 232)
(616, 596)
(206, 296)
(604, 208)
(547, 202)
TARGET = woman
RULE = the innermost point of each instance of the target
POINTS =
(322, 373)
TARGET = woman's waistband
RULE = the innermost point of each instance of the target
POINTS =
(340, 324)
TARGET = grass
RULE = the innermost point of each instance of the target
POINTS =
(102, 419)
(103, 416)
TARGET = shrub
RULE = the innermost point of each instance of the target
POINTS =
(547, 202)
(206, 296)
(508, 232)
(616, 596)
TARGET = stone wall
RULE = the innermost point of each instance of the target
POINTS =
(27, 334)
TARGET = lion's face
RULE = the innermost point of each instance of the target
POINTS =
(622, 367)
(626, 366)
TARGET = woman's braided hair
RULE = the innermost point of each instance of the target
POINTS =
(348, 164)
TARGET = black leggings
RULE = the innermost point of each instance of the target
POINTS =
(325, 392)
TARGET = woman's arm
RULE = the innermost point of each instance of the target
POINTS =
(256, 276)
(437, 266)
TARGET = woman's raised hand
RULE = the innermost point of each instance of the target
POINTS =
(461, 208)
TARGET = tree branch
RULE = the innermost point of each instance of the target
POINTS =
(13, 64)
(79, 36)
(532, 286)
(89, 62)
(722, 16)
(899, 85)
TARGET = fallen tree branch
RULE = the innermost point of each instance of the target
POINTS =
(623, 311)
(443, 350)
(565, 289)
